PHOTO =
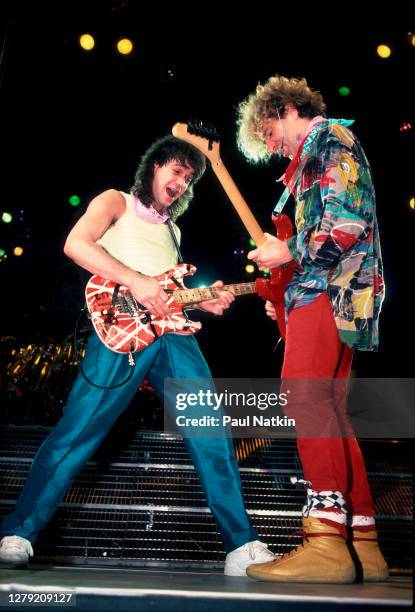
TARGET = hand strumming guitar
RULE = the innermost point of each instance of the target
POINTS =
(150, 294)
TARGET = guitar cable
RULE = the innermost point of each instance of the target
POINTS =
(131, 360)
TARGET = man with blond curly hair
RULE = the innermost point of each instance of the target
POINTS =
(332, 308)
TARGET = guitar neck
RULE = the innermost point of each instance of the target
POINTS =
(200, 294)
(239, 203)
(203, 138)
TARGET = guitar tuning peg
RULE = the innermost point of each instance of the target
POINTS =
(203, 129)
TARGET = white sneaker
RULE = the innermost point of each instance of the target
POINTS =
(239, 559)
(15, 551)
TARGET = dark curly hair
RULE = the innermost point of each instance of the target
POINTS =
(161, 152)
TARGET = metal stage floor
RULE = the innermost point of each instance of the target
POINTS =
(138, 502)
(158, 590)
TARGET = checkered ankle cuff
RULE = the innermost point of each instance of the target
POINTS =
(325, 501)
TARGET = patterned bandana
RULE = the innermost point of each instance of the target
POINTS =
(149, 213)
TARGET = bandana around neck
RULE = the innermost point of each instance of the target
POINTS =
(148, 213)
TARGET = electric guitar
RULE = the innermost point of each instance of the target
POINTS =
(125, 326)
(206, 140)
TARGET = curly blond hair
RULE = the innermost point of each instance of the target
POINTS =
(268, 102)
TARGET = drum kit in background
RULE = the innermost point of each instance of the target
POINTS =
(35, 378)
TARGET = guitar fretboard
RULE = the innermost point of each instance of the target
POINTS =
(200, 294)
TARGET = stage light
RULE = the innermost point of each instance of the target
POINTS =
(124, 46)
(74, 200)
(18, 251)
(250, 268)
(201, 286)
(344, 90)
(168, 73)
(384, 51)
(412, 203)
(411, 38)
(251, 243)
(405, 127)
(2, 252)
(266, 272)
(238, 251)
(7, 217)
(87, 42)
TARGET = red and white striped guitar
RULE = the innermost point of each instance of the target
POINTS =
(125, 326)
(206, 140)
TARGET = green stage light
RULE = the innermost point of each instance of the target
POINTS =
(74, 200)
(344, 91)
(7, 217)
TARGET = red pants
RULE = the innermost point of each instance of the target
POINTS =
(313, 349)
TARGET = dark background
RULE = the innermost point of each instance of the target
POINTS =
(77, 122)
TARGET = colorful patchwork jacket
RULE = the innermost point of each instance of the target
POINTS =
(337, 242)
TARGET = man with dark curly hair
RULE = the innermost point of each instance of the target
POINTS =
(332, 306)
(126, 238)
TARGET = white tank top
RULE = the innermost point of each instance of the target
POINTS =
(142, 246)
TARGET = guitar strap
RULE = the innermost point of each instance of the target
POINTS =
(281, 202)
(176, 244)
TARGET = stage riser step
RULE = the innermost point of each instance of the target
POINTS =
(164, 486)
(387, 457)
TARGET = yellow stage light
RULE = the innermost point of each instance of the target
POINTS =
(87, 42)
(384, 51)
(124, 46)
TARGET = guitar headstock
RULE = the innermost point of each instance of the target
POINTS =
(202, 136)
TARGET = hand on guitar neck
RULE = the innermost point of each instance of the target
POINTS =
(217, 305)
(124, 324)
(272, 254)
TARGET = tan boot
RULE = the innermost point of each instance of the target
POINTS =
(322, 557)
(374, 566)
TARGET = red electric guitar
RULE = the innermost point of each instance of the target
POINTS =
(125, 326)
(207, 141)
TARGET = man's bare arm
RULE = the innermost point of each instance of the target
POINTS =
(81, 246)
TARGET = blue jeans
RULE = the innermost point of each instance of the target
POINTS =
(90, 414)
